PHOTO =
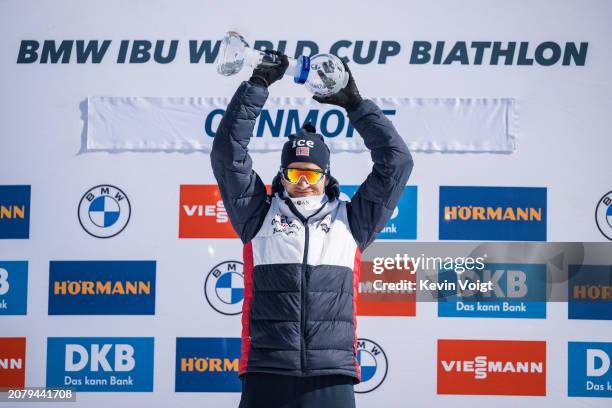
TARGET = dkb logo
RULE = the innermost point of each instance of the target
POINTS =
(100, 363)
(589, 370)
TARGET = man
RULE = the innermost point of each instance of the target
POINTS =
(302, 247)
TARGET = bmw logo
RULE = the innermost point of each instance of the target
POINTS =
(603, 215)
(373, 365)
(224, 288)
(104, 211)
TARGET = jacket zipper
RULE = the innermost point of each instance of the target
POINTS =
(303, 304)
(303, 280)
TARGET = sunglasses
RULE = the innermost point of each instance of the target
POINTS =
(293, 175)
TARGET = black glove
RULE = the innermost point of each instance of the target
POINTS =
(266, 76)
(347, 98)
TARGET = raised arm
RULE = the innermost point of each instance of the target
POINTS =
(243, 193)
(373, 204)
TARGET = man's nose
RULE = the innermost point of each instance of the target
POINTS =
(303, 183)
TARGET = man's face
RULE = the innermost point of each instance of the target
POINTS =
(302, 188)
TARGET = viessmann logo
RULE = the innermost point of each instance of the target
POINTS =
(12, 362)
(491, 367)
(202, 213)
(492, 213)
(372, 301)
(481, 366)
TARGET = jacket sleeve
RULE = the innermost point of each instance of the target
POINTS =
(243, 193)
(373, 204)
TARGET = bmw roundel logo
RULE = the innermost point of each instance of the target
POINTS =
(373, 364)
(224, 287)
(104, 211)
(603, 215)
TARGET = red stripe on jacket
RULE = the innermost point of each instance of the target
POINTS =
(247, 255)
(356, 274)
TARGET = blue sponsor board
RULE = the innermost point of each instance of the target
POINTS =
(518, 290)
(403, 221)
(102, 287)
(589, 369)
(13, 287)
(15, 212)
(110, 364)
(590, 292)
(492, 213)
(207, 364)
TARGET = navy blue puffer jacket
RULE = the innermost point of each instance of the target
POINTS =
(301, 274)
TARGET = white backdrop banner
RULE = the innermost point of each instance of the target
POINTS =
(188, 123)
(551, 59)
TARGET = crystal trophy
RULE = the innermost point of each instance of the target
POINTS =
(322, 74)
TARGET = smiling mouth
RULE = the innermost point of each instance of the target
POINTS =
(303, 193)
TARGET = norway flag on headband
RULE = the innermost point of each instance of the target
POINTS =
(302, 151)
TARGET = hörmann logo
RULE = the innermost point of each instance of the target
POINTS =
(470, 212)
(11, 212)
(492, 213)
(207, 364)
(102, 287)
(419, 52)
(213, 365)
(89, 287)
(590, 292)
(491, 367)
(15, 212)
